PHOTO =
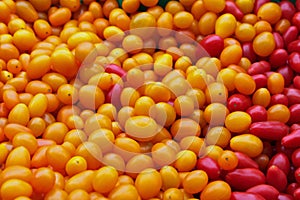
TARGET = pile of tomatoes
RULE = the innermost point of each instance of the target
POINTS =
(129, 100)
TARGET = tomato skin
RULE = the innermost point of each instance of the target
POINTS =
(245, 195)
(271, 130)
(291, 188)
(261, 80)
(295, 114)
(243, 179)
(288, 10)
(213, 44)
(294, 61)
(290, 35)
(112, 68)
(294, 127)
(257, 68)
(267, 191)
(278, 57)
(296, 18)
(281, 161)
(276, 177)
(248, 51)
(291, 140)
(258, 4)
(245, 161)
(294, 46)
(216, 190)
(283, 196)
(296, 82)
(296, 194)
(293, 95)
(287, 73)
(278, 40)
(210, 166)
(279, 99)
(231, 7)
(296, 158)
(258, 113)
(238, 102)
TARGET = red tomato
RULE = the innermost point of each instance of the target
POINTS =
(258, 113)
(294, 61)
(279, 99)
(213, 44)
(238, 102)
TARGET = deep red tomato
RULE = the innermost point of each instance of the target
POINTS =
(213, 44)
(297, 175)
(281, 161)
(296, 158)
(294, 127)
(248, 51)
(296, 81)
(287, 73)
(293, 95)
(278, 40)
(278, 58)
(232, 8)
(258, 113)
(283, 196)
(296, 19)
(297, 4)
(296, 194)
(294, 61)
(287, 9)
(261, 80)
(294, 114)
(238, 102)
(256, 68)
(290, 35)
(294, 46)
(210, 166)
(279, 99)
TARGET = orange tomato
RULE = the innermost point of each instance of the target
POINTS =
(60, 16)
(195, 181)
(26, 140)
(56, 132)
(91, 152)
(275, 83)
(261, 97)
(14, 188)
(43, 180)
(244, 83)
(105, 179)
(81, 180)
(26, 11)
(146, 177)
(278, 112)
(18, 156)
(216, 190)
(57, 156)
(126, 191)
(228, 160)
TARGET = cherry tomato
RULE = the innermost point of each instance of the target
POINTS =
(238, 102)
(216, 190)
